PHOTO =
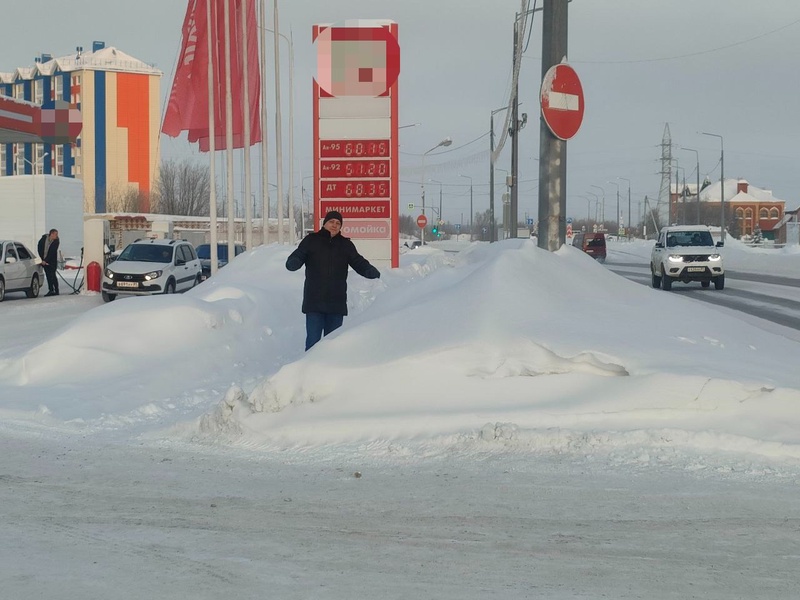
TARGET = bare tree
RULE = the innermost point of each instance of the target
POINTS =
(125, 198)
(183, 188)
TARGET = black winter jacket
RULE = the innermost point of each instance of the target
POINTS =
(52, 252)
(326, 259)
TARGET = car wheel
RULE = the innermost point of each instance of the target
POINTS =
(33, 291)
(719, 282)
(108, 297)
(666, 280)
(2, 290)
(170, 287)
(656, 280)
(705, 284)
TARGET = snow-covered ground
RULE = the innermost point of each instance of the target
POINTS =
(494, 421)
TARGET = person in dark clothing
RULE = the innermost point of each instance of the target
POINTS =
(48, 252)
(327, 254)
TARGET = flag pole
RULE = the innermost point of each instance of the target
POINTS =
(292, 224)
(264, 138)
(279, 145)
(248, 213)
(229, 129)
(212, 202)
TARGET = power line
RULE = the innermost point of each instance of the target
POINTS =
(691, 54)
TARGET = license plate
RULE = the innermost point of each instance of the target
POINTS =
(127, 284)
(696, 269)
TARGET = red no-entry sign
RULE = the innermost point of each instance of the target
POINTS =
(562, 101)
(422, 221)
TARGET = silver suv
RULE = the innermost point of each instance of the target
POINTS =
(686, 253)
(148, 267)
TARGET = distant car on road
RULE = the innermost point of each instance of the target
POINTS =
(204, 254)
(686, 253)
(20, 270)
(594, 244)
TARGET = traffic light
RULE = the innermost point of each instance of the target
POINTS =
(435, 230)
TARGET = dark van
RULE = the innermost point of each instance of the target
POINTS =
(594, 244)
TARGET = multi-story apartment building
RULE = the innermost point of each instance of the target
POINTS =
(117, 153)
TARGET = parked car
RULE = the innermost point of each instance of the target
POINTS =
(411, 244)
(20, 270)
(148, 267)
(686, 253)
(594, 244)
(204, 254)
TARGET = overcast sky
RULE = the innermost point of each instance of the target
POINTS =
(722, 66)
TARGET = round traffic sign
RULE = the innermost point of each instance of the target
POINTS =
(422, 221)
(562, 101)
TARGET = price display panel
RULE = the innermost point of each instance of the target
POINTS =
(355, 189)
(354, 149)
(354, 168)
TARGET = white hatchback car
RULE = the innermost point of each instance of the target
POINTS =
(20, 270)
(686, 253)
(148, 267)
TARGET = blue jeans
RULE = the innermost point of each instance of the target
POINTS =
(319, 323)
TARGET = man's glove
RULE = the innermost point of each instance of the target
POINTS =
(293, 263)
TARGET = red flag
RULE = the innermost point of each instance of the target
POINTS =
(188, 103)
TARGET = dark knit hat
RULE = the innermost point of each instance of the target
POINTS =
(333, 214)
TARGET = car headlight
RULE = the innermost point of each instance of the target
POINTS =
(110, 274)
(153, 275)
(715, 257)
(676, 258)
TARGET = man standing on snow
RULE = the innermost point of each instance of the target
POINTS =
(327, 254)
(48, 252)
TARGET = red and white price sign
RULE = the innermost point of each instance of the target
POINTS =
(354, 168)
(354, 149)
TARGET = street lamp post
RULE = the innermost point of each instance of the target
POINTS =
(630, 223)
(596, 206)
(697, 198)
(445, 142)
(470, 205)
(721, 185)
(439, 215)
(603, 211)
(614, 183)
(588, 211)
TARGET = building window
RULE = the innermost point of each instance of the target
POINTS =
(58, 86)
(774, 213)
(38, 91)
(19, 91)
(740, 213)
(59, 151)
(748, 213)
(763, 213)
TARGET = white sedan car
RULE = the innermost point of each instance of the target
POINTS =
(20, 270)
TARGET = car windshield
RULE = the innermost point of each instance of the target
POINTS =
(689, 238)
(204, 252)
(147, 253)
(595, 242)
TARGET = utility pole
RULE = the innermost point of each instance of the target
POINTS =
(470, 205)
(721, 184)
(514, 132)
(552, 151)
